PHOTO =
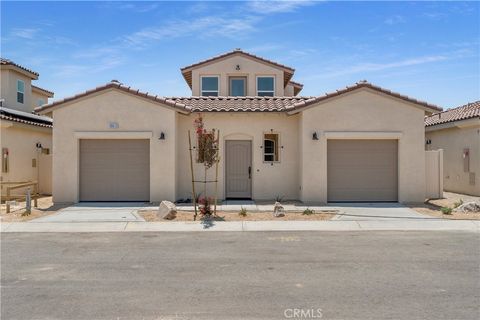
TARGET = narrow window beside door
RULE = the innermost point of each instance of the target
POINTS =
(270, 147)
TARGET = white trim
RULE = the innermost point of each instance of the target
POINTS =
(210, 76)
(370, 135)
(113, 134)
(265, 76)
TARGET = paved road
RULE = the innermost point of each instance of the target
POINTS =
(257, 275)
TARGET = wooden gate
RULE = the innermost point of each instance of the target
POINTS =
(434, 174)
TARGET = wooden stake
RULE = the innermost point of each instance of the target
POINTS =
(193, 177)
(216, 172)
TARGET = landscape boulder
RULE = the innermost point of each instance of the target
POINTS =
(167, 210)
(468, 207)
(278, 210)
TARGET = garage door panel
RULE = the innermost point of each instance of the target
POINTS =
(114, 170)
(362, 170)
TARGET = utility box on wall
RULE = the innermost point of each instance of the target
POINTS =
(5, 164)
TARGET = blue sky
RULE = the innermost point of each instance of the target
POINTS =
(428, 50)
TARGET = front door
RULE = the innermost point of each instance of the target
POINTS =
(238, 169)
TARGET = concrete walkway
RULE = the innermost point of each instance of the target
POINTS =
(375, 212)
(332, 225)
(96, 212)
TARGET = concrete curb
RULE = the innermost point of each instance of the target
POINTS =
(332, 225)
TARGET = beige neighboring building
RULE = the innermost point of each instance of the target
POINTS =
(457, 132)
(360, 143)
(26, 137)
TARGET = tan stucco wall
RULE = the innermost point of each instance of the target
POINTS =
(135, 116)
(36, 95)
(21, 140)
(453, 141)
(226, 68)
(8, 88)
(289, 90)
(301, 172)
(368, 114)
(268, 181)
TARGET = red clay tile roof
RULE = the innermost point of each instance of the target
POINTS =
(50, 93)
(117, 85)
(11, 63)
(239, 104)
(362, 84)
(290, 105)
(468, 111)
(24, 117)
(187, 71)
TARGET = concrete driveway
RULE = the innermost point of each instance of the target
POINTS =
(375, 211)
(97, 212)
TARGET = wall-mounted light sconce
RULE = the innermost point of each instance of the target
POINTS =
(162, 136)
(428, 141)
(38, 145)
(315, 136)
(237, 67)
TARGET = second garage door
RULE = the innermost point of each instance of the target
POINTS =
(114, 170)
(362, 170)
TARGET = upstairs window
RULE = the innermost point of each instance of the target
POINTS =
(40, 102)
(265, 86)
(270, 147)
(238, 86)
(20, 91)
(209, 86)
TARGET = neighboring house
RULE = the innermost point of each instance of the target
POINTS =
(26, 137)
(361, 143)
(457, 132)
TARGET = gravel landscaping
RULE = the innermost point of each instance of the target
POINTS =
(45, 208)
(151, 215)
(433, 207)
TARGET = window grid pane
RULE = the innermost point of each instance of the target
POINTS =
(265, 84)
(20, 97)
(20, 86)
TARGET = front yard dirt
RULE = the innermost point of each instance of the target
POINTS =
(151, 215)
(432, 207)
(45, 208)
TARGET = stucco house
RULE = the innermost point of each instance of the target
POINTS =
(26, 137)
(360, 143)
(457, 132)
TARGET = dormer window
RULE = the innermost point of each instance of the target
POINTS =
(209, 86)
(20, 91)
(265, 86)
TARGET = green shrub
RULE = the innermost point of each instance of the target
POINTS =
(446, 210)
(308, 212)
(242, 212)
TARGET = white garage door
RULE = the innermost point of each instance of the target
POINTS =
(114, 170)
(362, 170)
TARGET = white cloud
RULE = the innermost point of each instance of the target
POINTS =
(373, 67)
(203, 27)
(395, 20)
(26, 33)
(269, 7)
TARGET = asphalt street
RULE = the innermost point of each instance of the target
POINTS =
(240, 275)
